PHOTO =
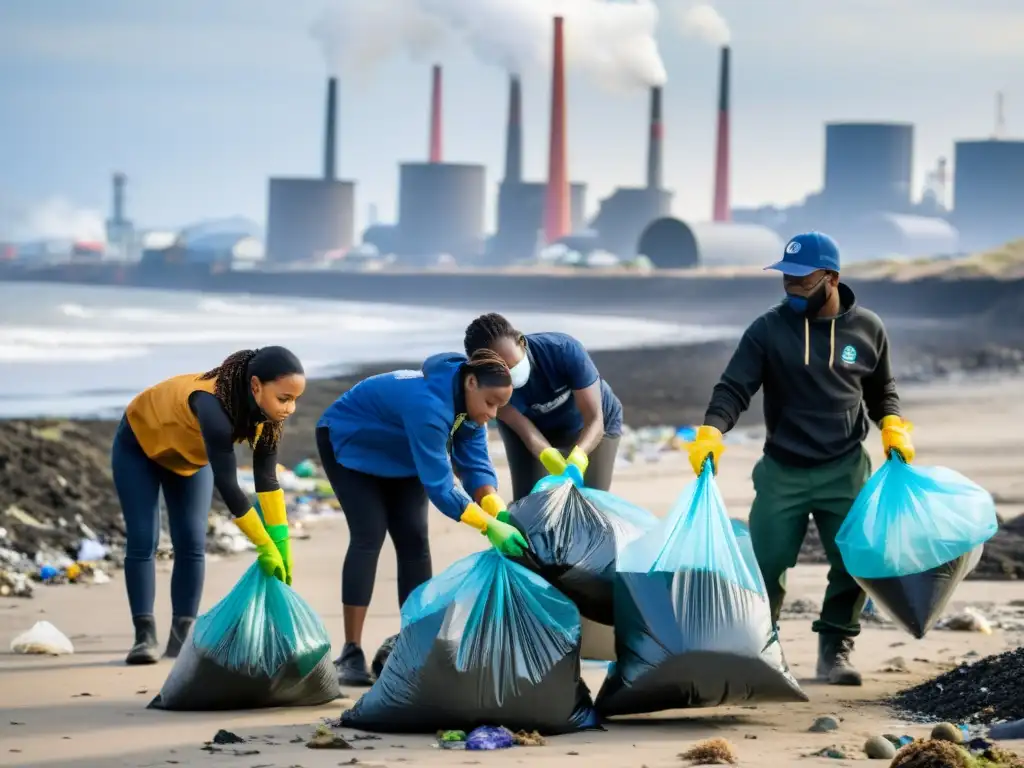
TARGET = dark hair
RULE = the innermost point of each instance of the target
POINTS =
(233, 390)
(487, 329)
(488, 367)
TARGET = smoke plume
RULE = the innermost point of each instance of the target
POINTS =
(705, 22)
(53, 219)
(611, 41)
(358, 35)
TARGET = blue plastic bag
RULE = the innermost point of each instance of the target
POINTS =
(486, 642)
(575, 536)
(261, 646)
(911, 537)
(693, 626)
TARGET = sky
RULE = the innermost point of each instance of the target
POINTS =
(198, 102)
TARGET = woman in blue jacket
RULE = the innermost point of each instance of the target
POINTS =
(389, 446)
(562, 414)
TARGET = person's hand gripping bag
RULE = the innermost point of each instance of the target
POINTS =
(693, 626)
(912, 535)
(261, 646)
(575, 535)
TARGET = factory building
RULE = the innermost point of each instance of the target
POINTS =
(868, 167)
(988, 192)
(440, 205)
(307, 217)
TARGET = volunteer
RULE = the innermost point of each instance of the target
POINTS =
(178, 437)
(823, 362)
(562, 413)
(388, 447)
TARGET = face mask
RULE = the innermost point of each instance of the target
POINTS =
(520, 372)
(811, 304)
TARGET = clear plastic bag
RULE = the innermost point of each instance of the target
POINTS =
(911, 537)
(43, 639)
(261, 646)
(486, 642)
(575, 536)
(692, 622)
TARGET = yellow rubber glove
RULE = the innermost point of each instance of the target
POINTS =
(493, 505)
(579, 459)
(504, 537)
(268, 556)
(708, 442)
(896, 437)
(552, 460)
(275, 516)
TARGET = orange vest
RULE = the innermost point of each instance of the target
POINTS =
(165, 426)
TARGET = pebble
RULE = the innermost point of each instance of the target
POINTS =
(947, 732)
(879, 748)
(824, 725)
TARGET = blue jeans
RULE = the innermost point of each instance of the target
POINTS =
(139, 480)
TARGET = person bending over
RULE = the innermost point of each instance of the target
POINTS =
(823, 362)
(562, 413)
(389, 446)
(178, 437)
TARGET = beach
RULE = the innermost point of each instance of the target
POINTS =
(89, 709)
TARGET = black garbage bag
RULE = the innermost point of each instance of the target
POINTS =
(911, 537)
(692, 623)
(261, 646)
(380, 658)
(575, 534)
(486, 642)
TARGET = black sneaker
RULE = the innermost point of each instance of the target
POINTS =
(351, 667)
(180, 627)
(834, 663)
(145, 650)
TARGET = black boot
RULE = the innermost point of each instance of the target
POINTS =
(834, 663)
(180, 626)
(351, 667)
(145, 649)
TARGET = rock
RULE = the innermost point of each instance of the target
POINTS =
(948, 732)
(825, 724)
(323, 738)
(227, 737)
(879, 748)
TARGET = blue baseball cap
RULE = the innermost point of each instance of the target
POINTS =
(808, 253)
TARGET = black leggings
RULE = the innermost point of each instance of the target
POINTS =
(139, 481)
(375, 506)
(526, 468)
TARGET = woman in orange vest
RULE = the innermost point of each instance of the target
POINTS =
(179, 436)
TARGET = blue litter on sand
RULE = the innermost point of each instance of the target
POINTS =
(488, 737)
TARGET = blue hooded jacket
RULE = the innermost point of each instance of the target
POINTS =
(407, 424)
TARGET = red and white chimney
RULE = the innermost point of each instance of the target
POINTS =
(722, 209)
(435, 149)
(557, 221)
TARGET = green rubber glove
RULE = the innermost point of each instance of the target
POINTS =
(505, 538)
(270, 560)
(504, 517)
(282, 539)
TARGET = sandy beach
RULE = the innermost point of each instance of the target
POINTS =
(89, 709)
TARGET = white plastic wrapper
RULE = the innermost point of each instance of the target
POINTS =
(43, 639)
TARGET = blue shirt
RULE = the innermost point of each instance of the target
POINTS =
(413, 424)
(559, 365)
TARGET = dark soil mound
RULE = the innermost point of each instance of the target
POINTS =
(984, 692)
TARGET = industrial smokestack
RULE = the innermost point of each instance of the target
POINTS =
(117, 214)
(331, 130)
(722, 211)
(514, 139)
(557, 222)
(435, 116)
(655, 141)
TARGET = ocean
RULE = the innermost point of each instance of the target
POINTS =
(86, 351)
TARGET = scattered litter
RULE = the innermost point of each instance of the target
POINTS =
(710, 752)
(832, 753)
(324, 738)
(533, 739)
(879, 748)
(487, 738)
(43, 639)
(968, 620)
(227, 737)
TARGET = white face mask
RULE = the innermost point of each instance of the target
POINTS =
(520, 372)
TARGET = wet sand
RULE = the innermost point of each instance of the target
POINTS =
(47, 721)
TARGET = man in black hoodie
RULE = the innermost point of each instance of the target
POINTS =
(823, 362)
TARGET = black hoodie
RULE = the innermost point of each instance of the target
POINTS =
(823, 379)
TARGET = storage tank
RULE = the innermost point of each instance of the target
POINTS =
(673, 244)
(623, 217)
(441, 210)
(988, 192)
(521, 217)
(308, 217)
(868, 166)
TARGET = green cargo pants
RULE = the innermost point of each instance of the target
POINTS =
(785, 499)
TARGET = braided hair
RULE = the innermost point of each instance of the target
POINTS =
(233, 390)
(489, 368)
(486, 330)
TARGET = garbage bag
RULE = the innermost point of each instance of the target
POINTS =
(380, 658)
(261, 646)
(486, 642)
(575, 534)
(43, 639)
(912, 535)
(692, 623)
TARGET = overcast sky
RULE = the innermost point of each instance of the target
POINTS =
(198, 101)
